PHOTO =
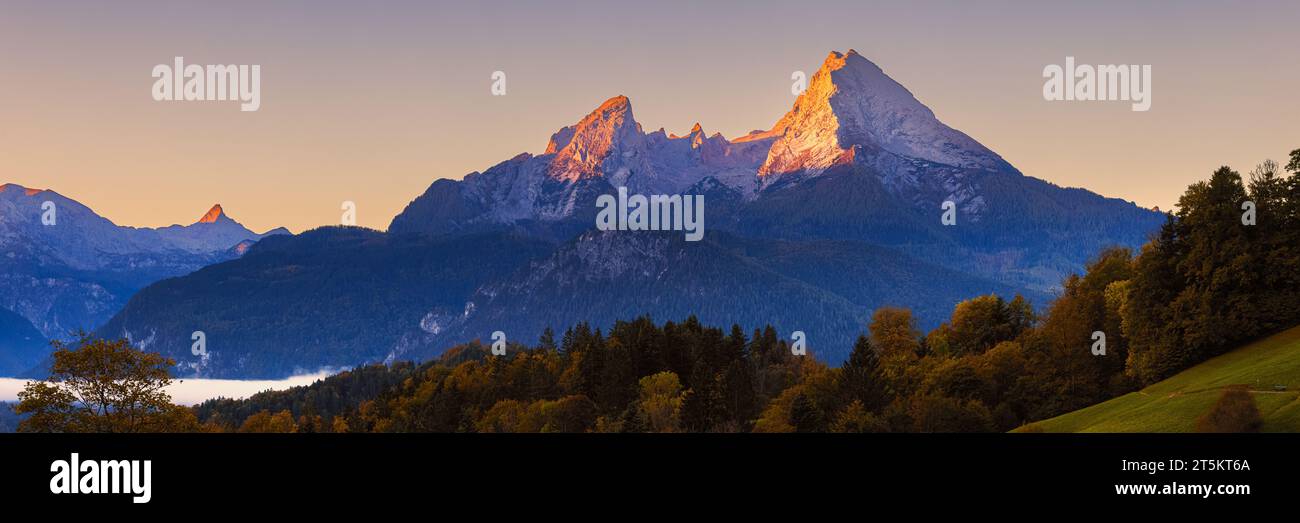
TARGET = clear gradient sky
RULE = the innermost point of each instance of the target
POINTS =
(371, 103)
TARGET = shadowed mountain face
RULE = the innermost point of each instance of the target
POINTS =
(816, 286)
(327, 298)
(834, 211)
(65, 268)
(21, 345)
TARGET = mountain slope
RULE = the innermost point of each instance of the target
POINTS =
(851, 102)
(1174, 404)
(601, 277)
(330, 297)
(879, 166)
(75, 272)
(21, 345)
(1020, 230)
(558, 189)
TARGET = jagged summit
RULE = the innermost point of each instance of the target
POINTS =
(851, 113)
(213, 215)
(850, 102)
(696, 130)
(582, 150)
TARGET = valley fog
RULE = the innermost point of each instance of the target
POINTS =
(193, 391)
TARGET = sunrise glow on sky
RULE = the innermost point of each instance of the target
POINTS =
(372, 103)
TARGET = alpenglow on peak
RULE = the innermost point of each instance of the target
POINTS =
(851, 102)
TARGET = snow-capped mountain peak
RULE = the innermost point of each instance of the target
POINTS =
(850, 113)
(607, 135)
(850, 102)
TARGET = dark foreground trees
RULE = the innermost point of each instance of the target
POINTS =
(1224, 270)
(97, 385)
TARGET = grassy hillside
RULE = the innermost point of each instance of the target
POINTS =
(1174, 404)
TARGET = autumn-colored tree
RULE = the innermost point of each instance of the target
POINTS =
(1089, 304)
(980, 323)
(959, 378)
(505, 416)
(856, 418)
(894, 334)
(310, 424)
(97, 385)
(1235, 411)
(807, 406)
(934, 413)
(660, 402)
(570, 414)
(1011, 380)
(776, 417)
(264, 423)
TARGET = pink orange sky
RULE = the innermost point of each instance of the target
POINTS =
(371, 103)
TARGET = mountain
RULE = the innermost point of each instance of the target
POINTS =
(21, 345)
(214, 232)
(327, 298)
(557, 190)
(605, 276)
(80, 268)
(811, 224)
(1174, 404)
(857, 157)
(336, 297)
(851, 104)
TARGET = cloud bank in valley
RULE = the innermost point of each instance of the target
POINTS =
(193, 391)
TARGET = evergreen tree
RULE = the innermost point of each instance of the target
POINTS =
(860, 377)
(804, 415)
(547, 340)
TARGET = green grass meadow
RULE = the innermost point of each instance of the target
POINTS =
(1174, 404)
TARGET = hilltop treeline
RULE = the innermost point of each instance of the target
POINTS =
(987, 369)
(1224, 270)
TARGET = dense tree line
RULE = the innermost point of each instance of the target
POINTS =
(307, 406)
(972, 374)
(1210, 281)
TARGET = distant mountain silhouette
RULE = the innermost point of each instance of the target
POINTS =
(77, 271)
